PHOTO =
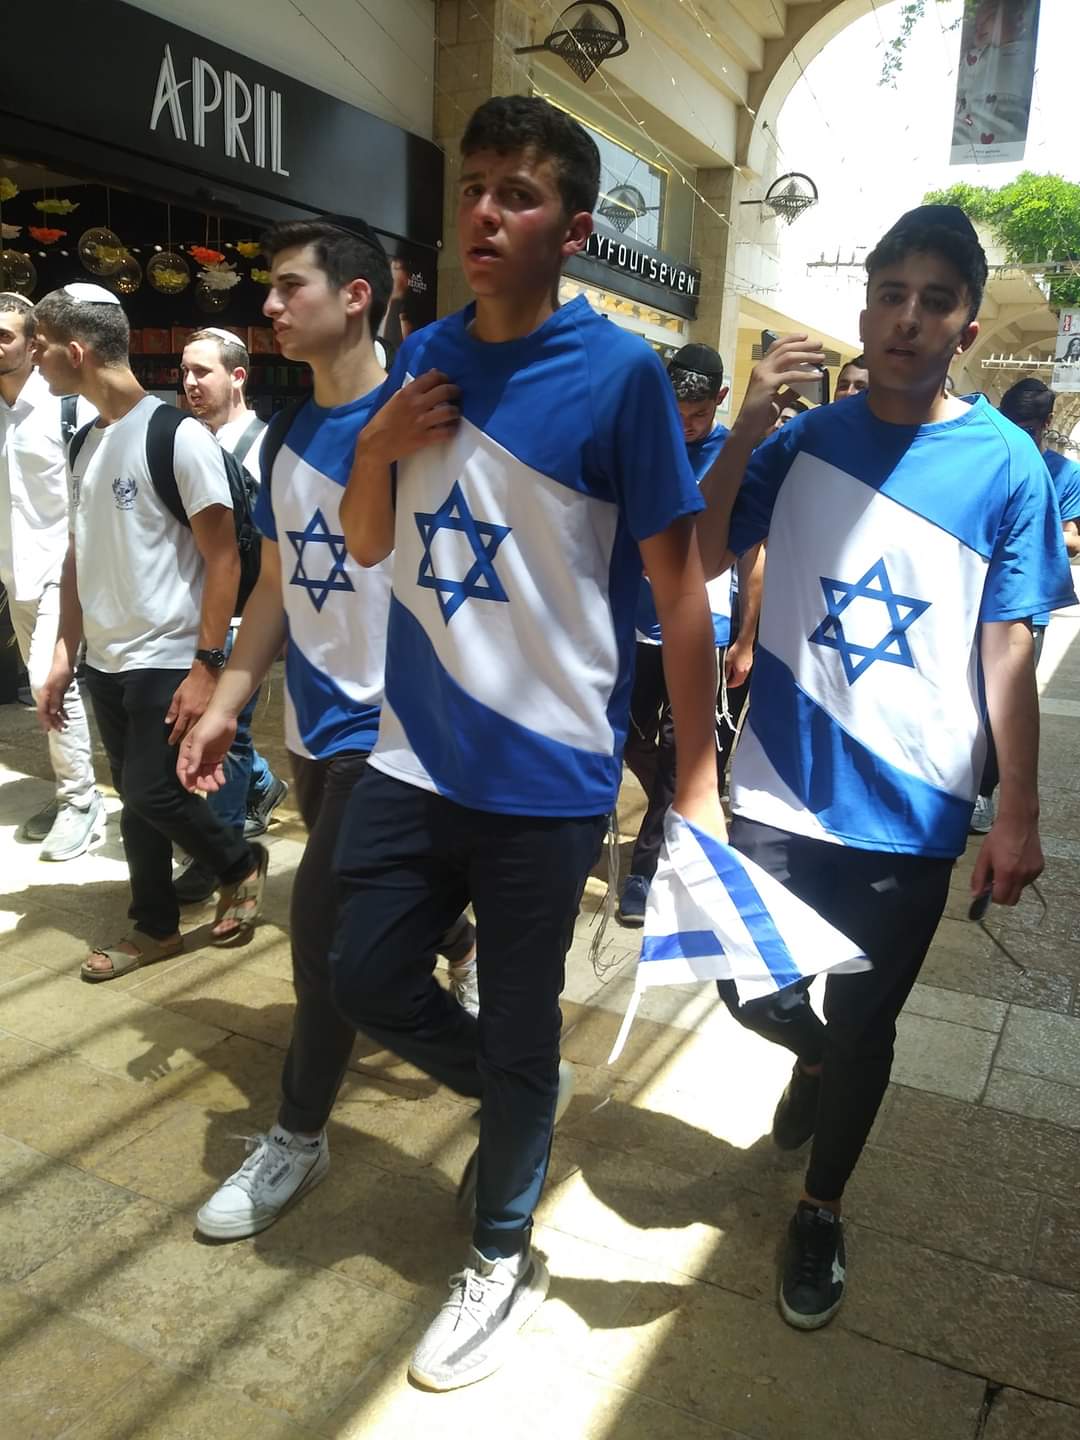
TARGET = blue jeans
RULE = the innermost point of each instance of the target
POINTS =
(408, 862)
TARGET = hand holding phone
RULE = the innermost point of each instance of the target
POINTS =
(814, 386)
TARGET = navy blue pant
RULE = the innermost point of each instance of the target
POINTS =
(889, 905)
(408, 862)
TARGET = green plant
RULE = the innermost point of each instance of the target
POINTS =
(910, 15)
(1034, 218)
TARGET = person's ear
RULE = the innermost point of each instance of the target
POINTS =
(578, 230)
(862, 320)
(76, 354)
(967, 336)
(723, 395)
(357, 297)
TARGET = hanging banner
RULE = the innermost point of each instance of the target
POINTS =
(1067, 353)
(994, 80)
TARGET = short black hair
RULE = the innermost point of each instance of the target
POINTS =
(506, 123)
(346, 250)
(12, 303)
(101, 326)
(1029, 403)
(858, 361)
(799, 406)
(942, 230)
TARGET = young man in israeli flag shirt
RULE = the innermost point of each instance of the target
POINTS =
(539, 461)
(911, 535)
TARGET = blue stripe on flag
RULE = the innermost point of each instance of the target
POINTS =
(682, 945)
(751, 908)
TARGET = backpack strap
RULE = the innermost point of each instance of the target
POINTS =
(248, 438)
(276, 431)
(160, 443)
(69, 418)
(76, 442)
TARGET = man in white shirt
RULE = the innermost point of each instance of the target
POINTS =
(33, 541)
(150, 581)
(214, 370)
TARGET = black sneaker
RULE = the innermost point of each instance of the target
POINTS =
(258, 815)
(633, 900)
(812, 1289)
(194, 884)
(796, 1111)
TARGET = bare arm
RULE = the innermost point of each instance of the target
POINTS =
(422, 413)
(50, 704)
(199, 764)
(1011, 855)
(678, 584)
(214, 532)
(1072, 538)
(740, 653)
(784, 365)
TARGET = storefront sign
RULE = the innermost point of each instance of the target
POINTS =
(995, 76)
(198, 107)
(646, 264)
(1066, 377)
(244, 104)
(637, 271)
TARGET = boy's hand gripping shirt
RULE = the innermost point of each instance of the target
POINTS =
(889, 546)
(335, 609)
(516, 564)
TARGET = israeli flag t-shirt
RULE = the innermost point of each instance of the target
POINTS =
(336, 610)
(888, 546)
(516, 565)
(701, 454)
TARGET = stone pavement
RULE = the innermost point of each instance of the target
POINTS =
(120, 1106)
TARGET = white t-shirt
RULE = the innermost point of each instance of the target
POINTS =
(140, 574)
(230, 435)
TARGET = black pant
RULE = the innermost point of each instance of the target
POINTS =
(889, 905)
(409, 860)
(650, 749)
(322, 1039)
(158, 812)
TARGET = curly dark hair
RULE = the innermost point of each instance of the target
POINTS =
(506, 123)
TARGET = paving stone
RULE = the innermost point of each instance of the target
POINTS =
(964, 958)
(46, 1205)
(941, 1056)
(1044, 1045)
(734, 1362)
(1057, 1249)
(1028, 1095)
(161, 1404)
(270, 1330)
(54, 1369)
(1012, 1330)
(1026, 1154)
(969, 1214)
(938, 1004)
(1017, 1416)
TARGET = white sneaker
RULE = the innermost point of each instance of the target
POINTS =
(280, 1168)
(466, 1193)
(490, 1300)
(982, 817)
(464, 987)
(73, 830)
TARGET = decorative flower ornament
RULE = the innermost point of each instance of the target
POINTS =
(204, 255)
(10, 232)
(219, 276)
(8, 188)
(101, 250)
(17, 272)
(168, 272)
(56, 207)
(262, 277)
(44, 235)
(248, 248)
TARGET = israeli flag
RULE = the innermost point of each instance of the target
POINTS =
(715, 915)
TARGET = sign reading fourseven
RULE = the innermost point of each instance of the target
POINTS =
(240, 104)
(623, 256)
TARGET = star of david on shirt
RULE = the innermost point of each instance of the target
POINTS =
(902, 612)
(330, 562)
(480, 582)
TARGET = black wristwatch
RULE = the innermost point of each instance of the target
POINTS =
(215, 659)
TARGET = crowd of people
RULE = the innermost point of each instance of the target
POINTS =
(492, 572)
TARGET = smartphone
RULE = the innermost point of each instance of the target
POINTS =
(815, 388)
(981, 904)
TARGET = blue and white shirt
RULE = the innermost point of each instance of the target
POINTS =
(335, 610)
(888, 546)
(516, 566)
(1065, 474)
(701, 454)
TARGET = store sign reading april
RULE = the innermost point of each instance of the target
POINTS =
(240, 104)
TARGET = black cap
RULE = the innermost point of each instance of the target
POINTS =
(702, 359)
(946, 217)
(352, 225)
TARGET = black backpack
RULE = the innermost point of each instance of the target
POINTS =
(160, 446)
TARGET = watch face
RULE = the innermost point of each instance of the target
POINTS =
(214, 658)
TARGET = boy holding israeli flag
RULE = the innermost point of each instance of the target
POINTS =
(911, 533)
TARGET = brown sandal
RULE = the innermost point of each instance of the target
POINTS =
(234, 898)
(149, 950)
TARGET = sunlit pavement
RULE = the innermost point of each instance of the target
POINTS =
(121, 1104)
